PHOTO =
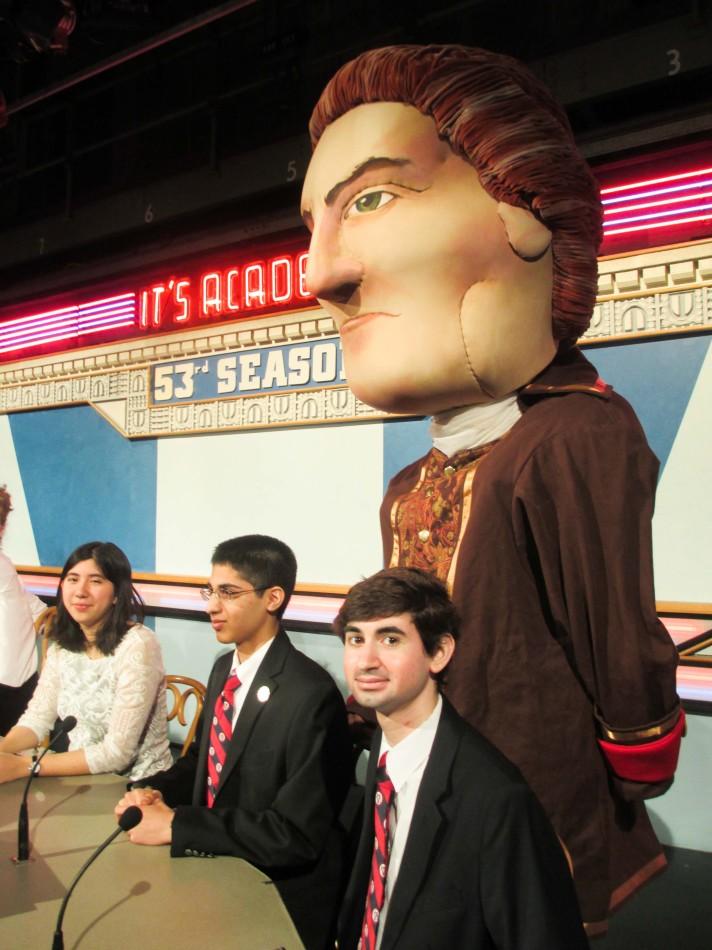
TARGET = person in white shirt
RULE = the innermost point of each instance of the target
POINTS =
(455, 850)
(105, 669)
(18, 653)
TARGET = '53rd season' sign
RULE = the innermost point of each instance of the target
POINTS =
(313, 364)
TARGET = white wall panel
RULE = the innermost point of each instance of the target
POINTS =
(319, 489)
(19, 541)
(683, 514)
(681, 816)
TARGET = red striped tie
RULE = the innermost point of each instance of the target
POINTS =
(379, 862)
(220, 735)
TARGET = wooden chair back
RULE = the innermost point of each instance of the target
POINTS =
(43, 628)
(177, 701)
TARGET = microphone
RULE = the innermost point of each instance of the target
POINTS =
(23, 838)
(130, 818)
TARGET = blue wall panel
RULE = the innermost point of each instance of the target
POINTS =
(83, 482)
(403, 442)
(657, 378)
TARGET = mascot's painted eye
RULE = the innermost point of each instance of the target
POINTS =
(371, 201)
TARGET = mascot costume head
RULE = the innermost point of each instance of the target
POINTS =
(454, 225)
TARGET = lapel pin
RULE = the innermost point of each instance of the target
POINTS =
(263, 694)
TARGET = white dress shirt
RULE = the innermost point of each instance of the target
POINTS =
(246, 672)
(405, 764)
(18, 653)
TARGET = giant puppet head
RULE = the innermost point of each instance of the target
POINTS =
(454, 225)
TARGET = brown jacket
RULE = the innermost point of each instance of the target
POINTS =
(545, 540)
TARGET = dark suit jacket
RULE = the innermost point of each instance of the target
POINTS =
(287, 771)
(482, 867)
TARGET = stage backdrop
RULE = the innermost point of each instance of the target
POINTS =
(168, 501)
(88, 459)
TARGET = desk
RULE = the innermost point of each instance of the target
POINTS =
(132, 895)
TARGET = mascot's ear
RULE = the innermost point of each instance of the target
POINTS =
(528, 237)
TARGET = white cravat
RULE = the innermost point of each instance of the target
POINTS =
(470, 426)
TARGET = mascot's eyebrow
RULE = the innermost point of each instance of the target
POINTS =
(361, 168)
(368, 164)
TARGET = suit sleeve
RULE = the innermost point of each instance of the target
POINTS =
(582, 519)
(291, 829)
(526, 890)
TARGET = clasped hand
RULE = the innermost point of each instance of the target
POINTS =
(155, 826)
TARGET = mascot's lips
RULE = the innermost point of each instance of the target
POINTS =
(360, 319)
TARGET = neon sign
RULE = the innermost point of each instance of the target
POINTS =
(667, 201)
(235, 292)
(230, 293)
(65, 323)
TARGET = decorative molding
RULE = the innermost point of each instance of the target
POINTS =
(656, 293)
(116, 382)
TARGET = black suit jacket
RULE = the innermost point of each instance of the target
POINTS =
(482, 867)
(285, 777)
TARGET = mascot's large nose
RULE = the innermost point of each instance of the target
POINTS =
(331, 275)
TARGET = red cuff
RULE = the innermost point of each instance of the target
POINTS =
(646, 762)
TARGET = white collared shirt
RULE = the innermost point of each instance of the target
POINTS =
(18, 609)
(246, 672)
(405, 764)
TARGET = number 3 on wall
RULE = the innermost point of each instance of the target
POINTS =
(674, 63)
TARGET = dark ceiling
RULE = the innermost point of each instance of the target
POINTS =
(143, 129)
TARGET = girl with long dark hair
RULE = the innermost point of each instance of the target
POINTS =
(105, 669)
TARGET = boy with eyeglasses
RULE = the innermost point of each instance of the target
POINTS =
(271, 762)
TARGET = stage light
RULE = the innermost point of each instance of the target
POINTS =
(47, 24)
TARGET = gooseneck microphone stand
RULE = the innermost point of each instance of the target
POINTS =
(23, 836)
(130, 818)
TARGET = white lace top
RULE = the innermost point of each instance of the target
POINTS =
(119, 702)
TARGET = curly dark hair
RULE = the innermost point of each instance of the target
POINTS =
(127, 609)
(403, 590)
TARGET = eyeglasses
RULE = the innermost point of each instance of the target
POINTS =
(223, 592)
